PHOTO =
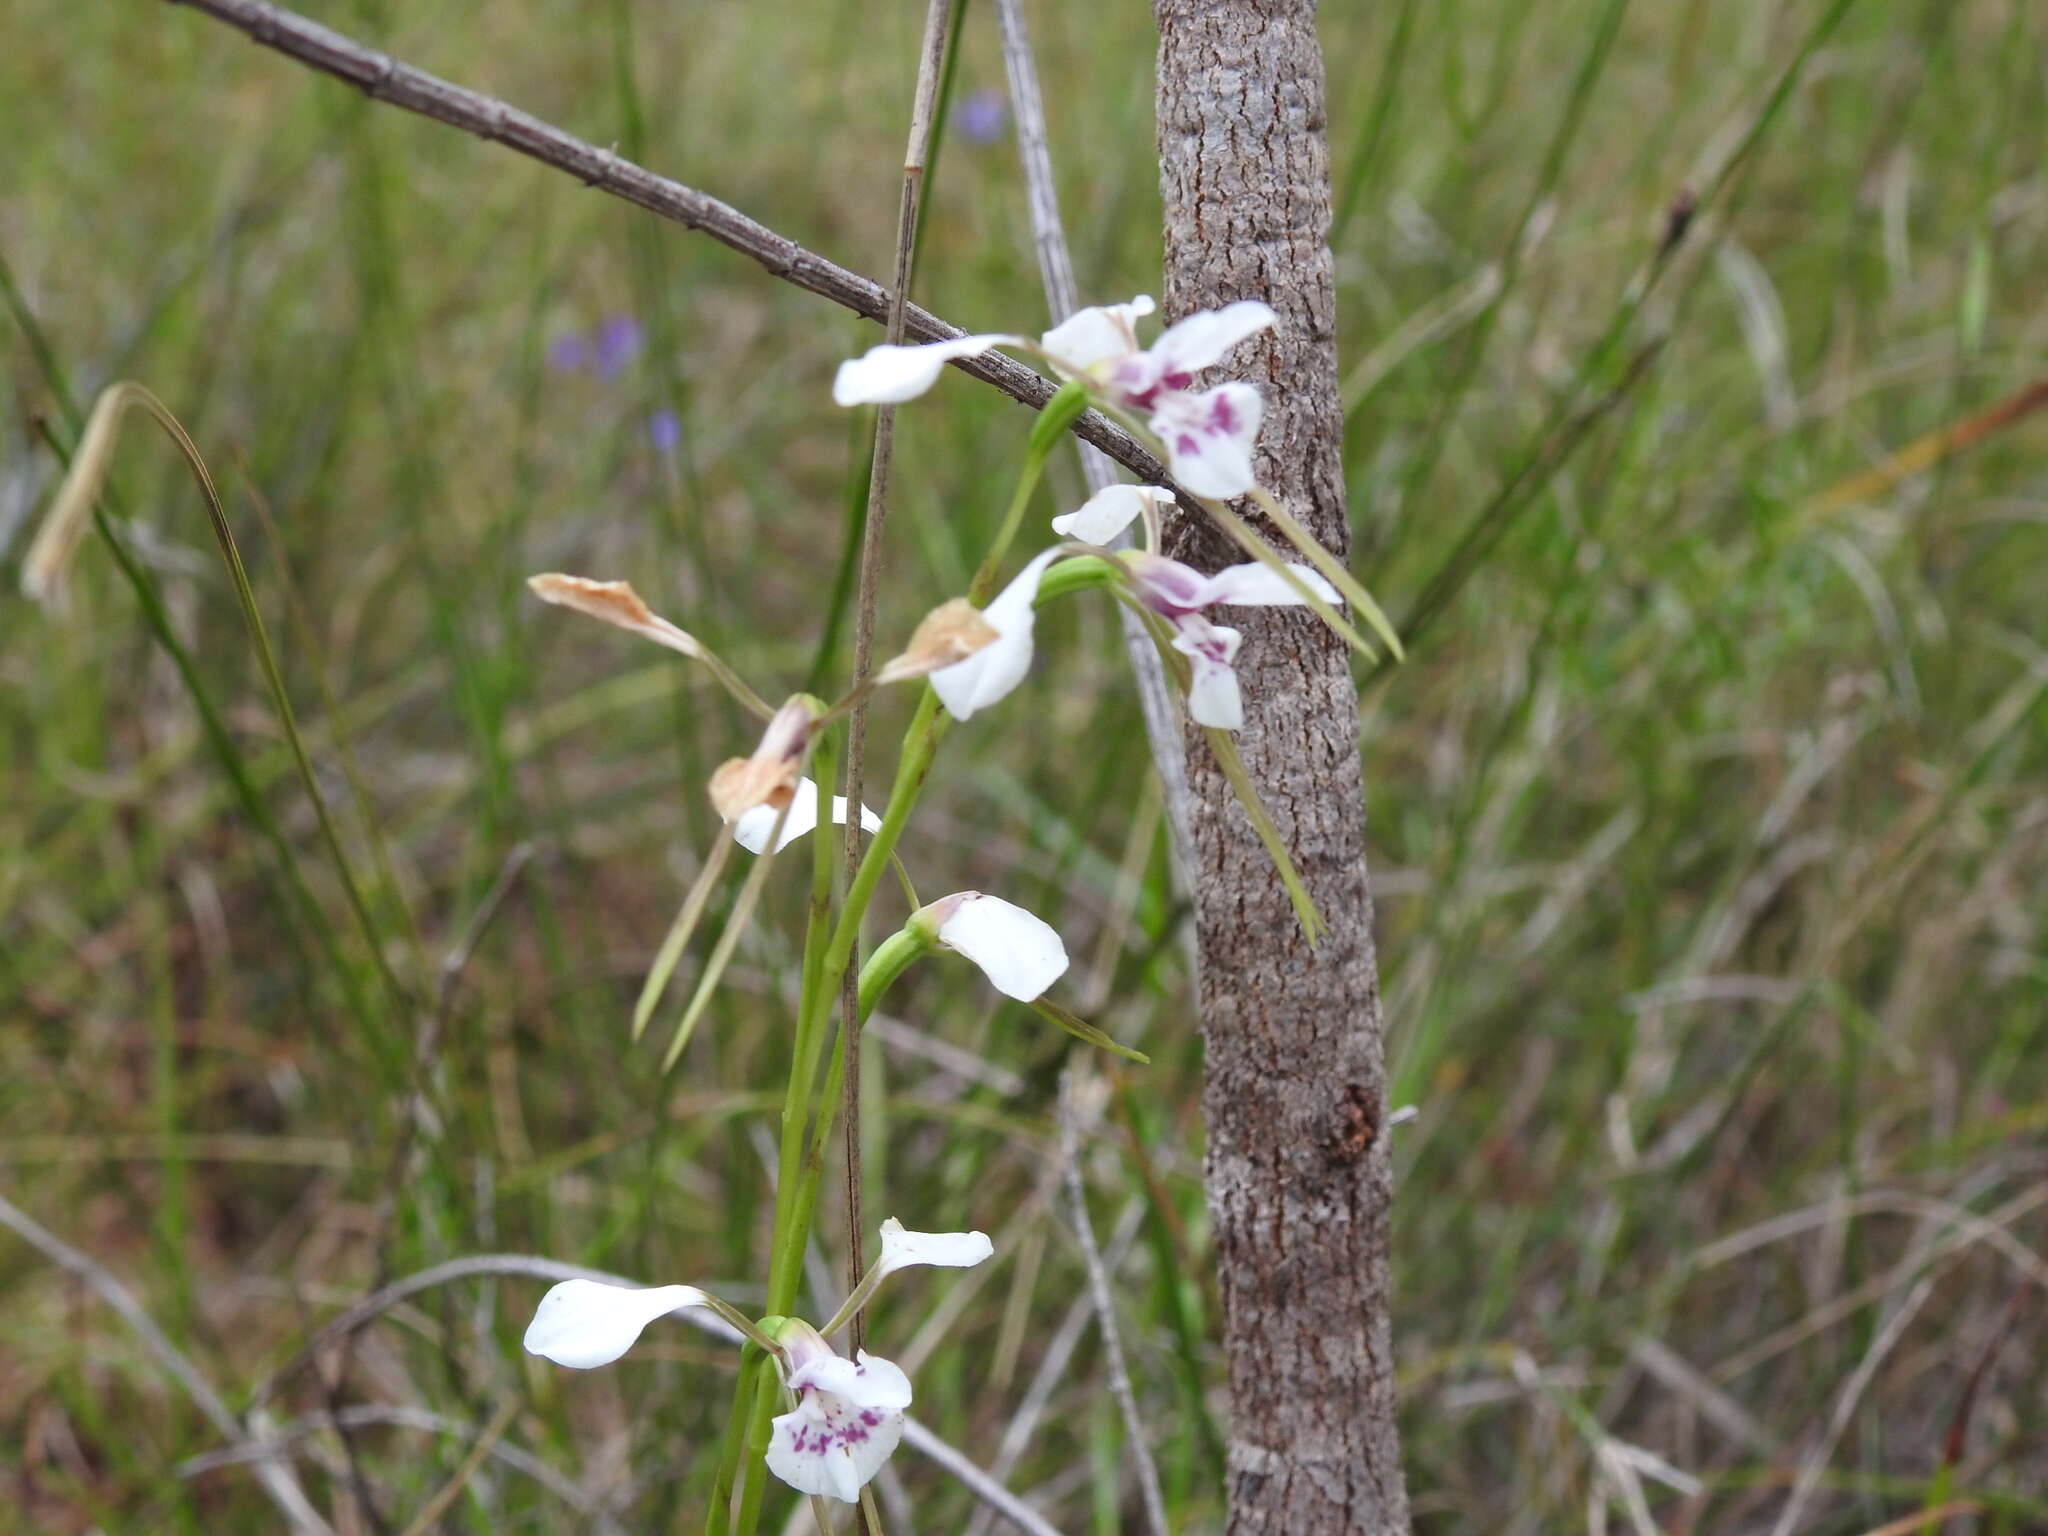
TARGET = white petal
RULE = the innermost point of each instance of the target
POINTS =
(826, 1445)
(1020, 954)
(885, 375)
(586, 1323)
(752, 829)
(999, 666)
(871, 1383)
(1214, 697)
(1109, 512)
(902, 1248)
(1260, 586)
(1095, 335)
(1209, 438)
(1192, 344)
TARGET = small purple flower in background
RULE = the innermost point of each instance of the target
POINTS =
(980, 115)
(613, 344)
(664, 430)
(568, 353)
(604, 349)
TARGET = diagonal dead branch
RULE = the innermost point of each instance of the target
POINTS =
(383, 78)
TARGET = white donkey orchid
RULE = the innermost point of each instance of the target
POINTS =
(1208, 435)
(847, 1415)
(999, 665)
(1182, 596)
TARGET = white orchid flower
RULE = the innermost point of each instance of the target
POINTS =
(1110, 511)
(1000, 664)
(1182, 595)
(752, 828)
(848, 1414)
(1020, 954)
(1100, 347)
(847, 1420)
(1208, 436)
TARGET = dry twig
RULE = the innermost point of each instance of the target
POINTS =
(385, 79)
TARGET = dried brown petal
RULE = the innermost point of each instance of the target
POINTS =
(770, 776)
(615, 602)
(951, 632)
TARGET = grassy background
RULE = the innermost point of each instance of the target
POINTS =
(1710, 822)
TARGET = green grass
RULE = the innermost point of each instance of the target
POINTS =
(1710, 833)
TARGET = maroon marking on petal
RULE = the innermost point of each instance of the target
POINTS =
(1176, 381)
(1187, 446)
(1222, 414)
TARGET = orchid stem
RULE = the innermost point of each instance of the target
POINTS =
(1013, 519)
(802, 1159)
(718, 1517)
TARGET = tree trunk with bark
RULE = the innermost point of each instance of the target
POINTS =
(1295, 1088)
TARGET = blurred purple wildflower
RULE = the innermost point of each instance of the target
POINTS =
(569, 352)
(604, 349)
(664, 430)
(980, 115)
(613, 344)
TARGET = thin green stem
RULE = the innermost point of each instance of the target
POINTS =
(803, 1066)
(1013, 519)
(799, 1160)
(718, 1517)
(797, 1189)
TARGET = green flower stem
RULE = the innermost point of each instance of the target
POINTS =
(1077, 573)
(718, 1517)
(1013, 519)
(1046, 433)
(891, 958)
(796, 1196)
(755, 1369)
(758, 1423)
(799, 1161)
(748, 1329)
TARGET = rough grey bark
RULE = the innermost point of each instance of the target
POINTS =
(1295, 1086)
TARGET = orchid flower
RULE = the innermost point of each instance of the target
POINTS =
(1182, 596)
(1019, 953)
(1208, 434)
(847, 1415)
(998, 664)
